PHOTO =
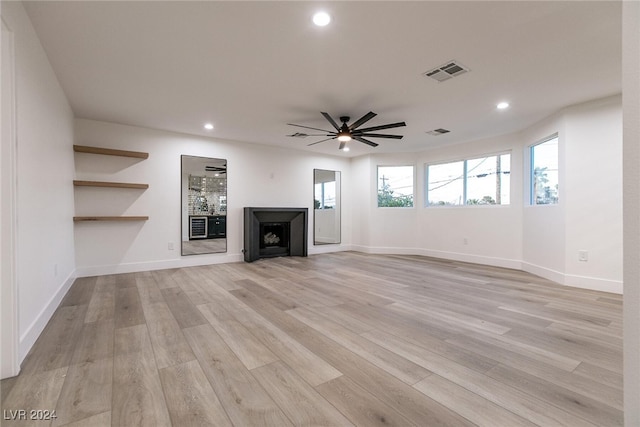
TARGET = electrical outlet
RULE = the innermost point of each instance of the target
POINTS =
(170, 246)
(583, 256)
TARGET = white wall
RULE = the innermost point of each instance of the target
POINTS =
(257, 176)
(541, 239)
(493, 234)
(543, 227)
(484, 234)
(593, 181)
(631, 119)
(9, 365)
(44, 170)
(589, 213)
(361, 200)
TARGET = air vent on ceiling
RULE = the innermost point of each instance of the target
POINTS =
(447, 71)
(298, 135)
(437, 132)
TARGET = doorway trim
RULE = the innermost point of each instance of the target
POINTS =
(9, 336)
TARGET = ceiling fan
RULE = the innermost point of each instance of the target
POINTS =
(346, 132)
(216, 169)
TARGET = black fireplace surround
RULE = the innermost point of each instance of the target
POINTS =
(273, 232)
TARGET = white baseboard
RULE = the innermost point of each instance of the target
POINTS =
(598, 284)
(475, 259)
(383, 250)
(453, 256)
(594, 283)
(186, 261)
(546, 273)
(582, 282)
(134, 267)
(328, 248)
(29, 337)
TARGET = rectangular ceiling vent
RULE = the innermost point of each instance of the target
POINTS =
(437, 132)
(447, 71)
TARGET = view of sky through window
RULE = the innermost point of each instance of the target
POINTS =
(481, 181)
(395, 186)
(544, 172)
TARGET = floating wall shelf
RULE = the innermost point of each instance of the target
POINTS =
(110, 184)
(109, 152)
(110, 218)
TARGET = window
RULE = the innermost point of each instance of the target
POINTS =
(480, 181)
(325, 195)
(544, 172)
(488, 180)
(395, 186)
(446, 184)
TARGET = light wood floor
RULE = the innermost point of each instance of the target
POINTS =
(334, 339)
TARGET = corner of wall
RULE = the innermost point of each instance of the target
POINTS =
(33, 331)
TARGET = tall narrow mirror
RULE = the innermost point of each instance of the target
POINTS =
(204, 205)
(326, 212)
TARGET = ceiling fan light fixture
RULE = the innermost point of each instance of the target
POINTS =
(344, 136)
(345, 149)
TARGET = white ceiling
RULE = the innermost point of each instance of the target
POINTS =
(252, 67)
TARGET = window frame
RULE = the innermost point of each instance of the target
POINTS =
(531, 179)
(464, 181)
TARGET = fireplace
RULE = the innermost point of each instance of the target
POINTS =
(274, 239)
(274, 232)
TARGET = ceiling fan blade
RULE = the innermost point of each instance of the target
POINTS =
(330, 119)
(362, 120)
(307, 127)
(318, 142)
(361, 139)
(389, 126)
(342, 144)
(378, 135)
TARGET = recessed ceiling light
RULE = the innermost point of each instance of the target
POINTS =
(502, 105)
(208, 126)
(321, 19)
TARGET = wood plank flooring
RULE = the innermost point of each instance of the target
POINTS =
(337, 339)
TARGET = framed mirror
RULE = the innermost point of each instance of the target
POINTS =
(326, 212)
(204, 205)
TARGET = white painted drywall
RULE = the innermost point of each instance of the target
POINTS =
(257, 176)
(493, 234)
(362, 186)
(485, 234)
(543, 226)
(589, 213)
(541, 239)
(593, 192)
(9, 337)
(44, 171)
(631, 151)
